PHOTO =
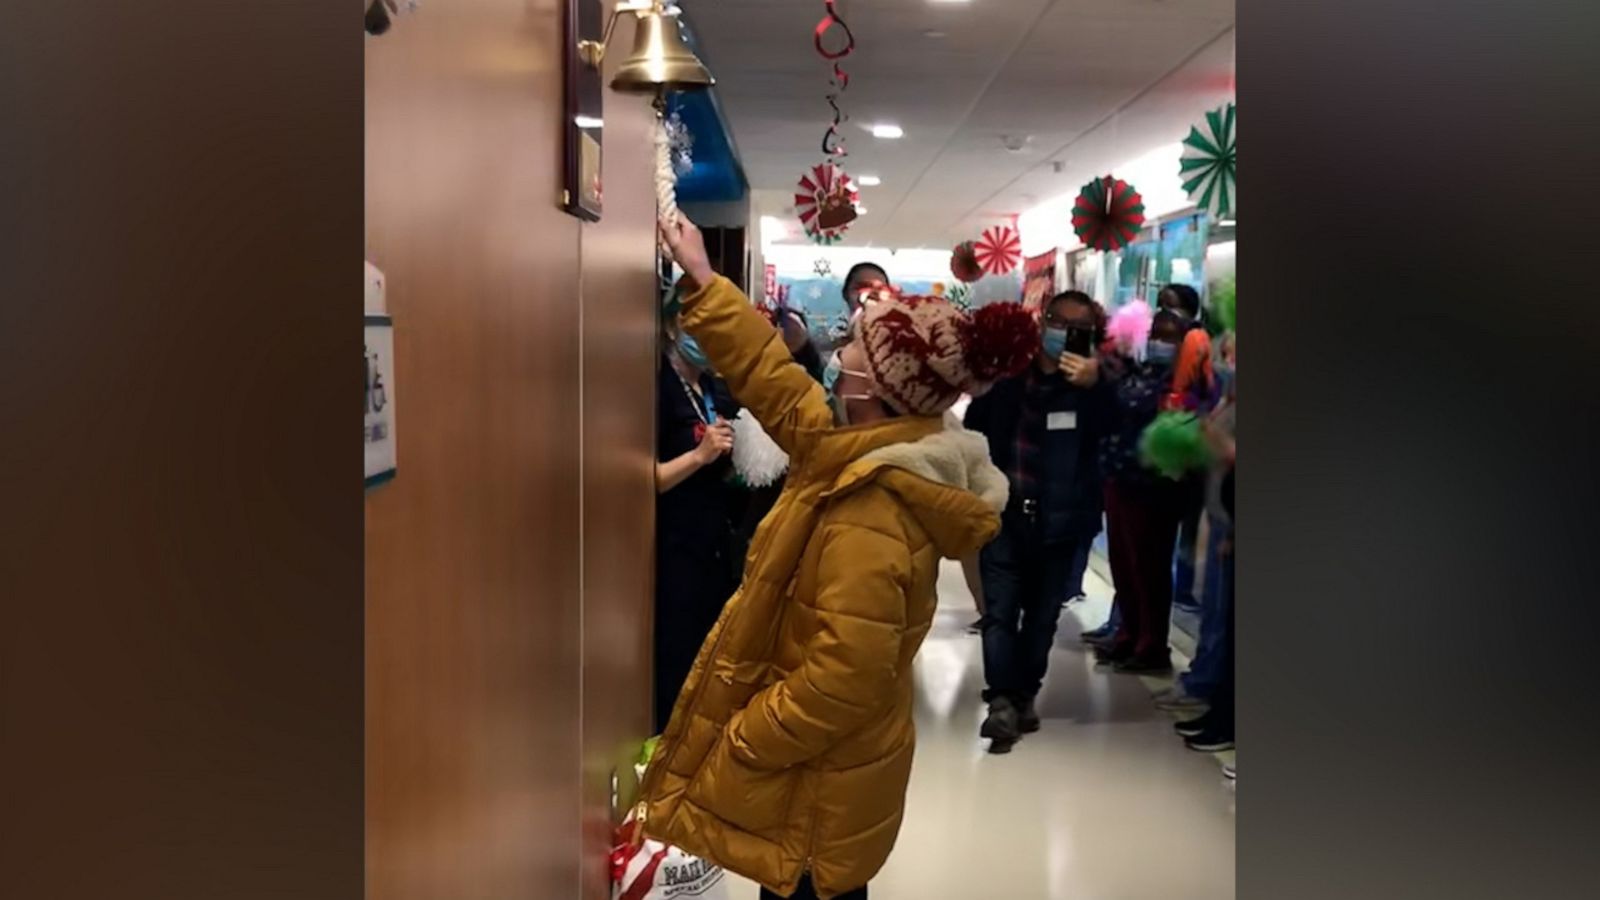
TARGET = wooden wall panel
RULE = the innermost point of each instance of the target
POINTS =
(508, 564)
(472, 551)
(619, 384)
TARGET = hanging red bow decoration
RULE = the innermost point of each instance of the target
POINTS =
(1108, 213)
(999, 250)
(833, 139)
(826, 202)
(964, 262)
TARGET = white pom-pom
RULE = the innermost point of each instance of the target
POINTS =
(756, 457)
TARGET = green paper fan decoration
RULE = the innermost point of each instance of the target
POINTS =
(1108, 213)
(1224, 309)
(1173, 445)
(1209, 166)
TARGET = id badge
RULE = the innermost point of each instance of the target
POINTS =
(1066, 420)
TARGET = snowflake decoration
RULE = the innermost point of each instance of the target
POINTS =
(815, 293)
(680, 143)
(822, 267)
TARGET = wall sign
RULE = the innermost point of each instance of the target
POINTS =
(378, 423)
(584, 107)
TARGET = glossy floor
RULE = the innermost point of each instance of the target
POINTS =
(1105, 803)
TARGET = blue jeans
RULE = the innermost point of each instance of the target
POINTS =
(1206, 671)
(1183, 567)
(1024, 584)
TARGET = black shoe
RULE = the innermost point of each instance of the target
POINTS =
(1102, 643)
(1073, 599)
(1212, 740)
(976, 627)
(1193, 727)
(1028, 718)
(1094, 634)
(1145, 665)
(1110, 655)
(1001, 727)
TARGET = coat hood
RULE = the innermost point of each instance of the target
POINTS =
(945, 479)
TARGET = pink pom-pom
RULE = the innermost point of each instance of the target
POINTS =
(1130, 326)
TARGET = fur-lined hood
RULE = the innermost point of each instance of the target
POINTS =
(945, 479)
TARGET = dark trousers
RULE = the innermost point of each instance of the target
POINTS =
(1221, 712)
(807, 892)
(1080, 566)
(1025, 582)
(1184, 562)
(1142, 525)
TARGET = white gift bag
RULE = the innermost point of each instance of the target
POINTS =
(656, 871)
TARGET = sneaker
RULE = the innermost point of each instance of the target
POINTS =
(1176, 699)
(1001, 726)
(1095, 634)
(1193, 727)
(1073, 599)
(1145, 665)
(1212, 740)
(1028, 720)
(976, 627)
(1230, 771)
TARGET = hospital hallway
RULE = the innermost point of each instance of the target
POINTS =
(1104, 803)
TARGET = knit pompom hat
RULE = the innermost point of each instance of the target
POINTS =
(923, 353)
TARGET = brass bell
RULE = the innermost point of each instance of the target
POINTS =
(660, 59)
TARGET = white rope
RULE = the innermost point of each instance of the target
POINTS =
(666, 178)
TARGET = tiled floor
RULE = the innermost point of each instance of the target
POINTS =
(1104, 804)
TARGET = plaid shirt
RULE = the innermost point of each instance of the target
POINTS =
(1030, 466)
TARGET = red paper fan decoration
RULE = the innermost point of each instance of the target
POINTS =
(999, 250)
(964, 262)
(1108, 213)
(826, 202)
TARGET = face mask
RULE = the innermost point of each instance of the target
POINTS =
(830, 376)
(1054, 341)
(1160, 353)
(689, 349)
(830, 372)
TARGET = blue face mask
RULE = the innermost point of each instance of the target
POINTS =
(689, 349)
(1054, 342)
(1160, 353)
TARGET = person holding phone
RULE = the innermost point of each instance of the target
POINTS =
(696, 555)
(1043, 428)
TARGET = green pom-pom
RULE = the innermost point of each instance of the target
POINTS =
(1223, 306)
(648, 750)
(1173, 445)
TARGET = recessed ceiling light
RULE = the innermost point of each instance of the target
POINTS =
(887, 132)
(934, 34)
(869, 181)
(588, 122)
(950, 2)
(1227, 222)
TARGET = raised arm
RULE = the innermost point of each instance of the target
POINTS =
(744, 348)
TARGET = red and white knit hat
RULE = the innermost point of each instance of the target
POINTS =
(923, 353)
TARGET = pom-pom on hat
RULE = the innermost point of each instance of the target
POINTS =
(923, 353)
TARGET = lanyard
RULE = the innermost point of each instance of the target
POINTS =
(709, 414)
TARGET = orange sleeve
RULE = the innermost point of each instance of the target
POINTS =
(1193, 370)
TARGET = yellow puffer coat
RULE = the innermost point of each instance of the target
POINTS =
(790, 746)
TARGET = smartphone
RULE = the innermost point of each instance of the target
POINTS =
(1080, 341)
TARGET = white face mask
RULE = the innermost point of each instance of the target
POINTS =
(830, 377)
